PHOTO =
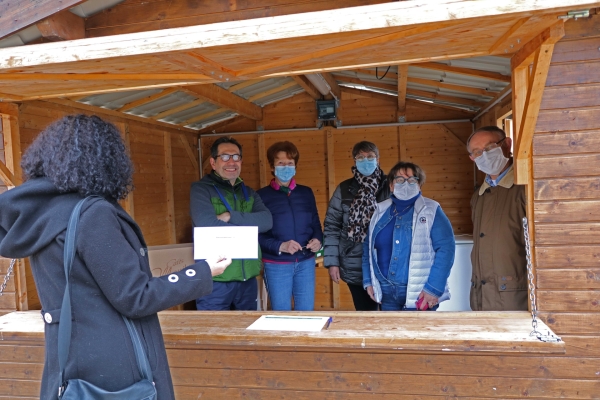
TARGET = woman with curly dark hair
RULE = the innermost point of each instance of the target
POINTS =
(73, 158)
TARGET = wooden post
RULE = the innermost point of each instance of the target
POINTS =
(331, 185)
(169, 189)
(127, 203)
(262, 160)
(402, 82)
(12, 144)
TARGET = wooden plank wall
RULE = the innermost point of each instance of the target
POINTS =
(566, 192)
(443, 157)
(151, 180)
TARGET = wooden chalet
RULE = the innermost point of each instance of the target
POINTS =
(415, 77)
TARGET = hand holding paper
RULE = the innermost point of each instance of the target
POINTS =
(218, 265)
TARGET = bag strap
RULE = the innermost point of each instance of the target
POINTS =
(64, 326)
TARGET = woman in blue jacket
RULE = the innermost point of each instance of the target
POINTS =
(409, 250)
(289, 248)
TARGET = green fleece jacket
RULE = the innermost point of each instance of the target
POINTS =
(206, 204)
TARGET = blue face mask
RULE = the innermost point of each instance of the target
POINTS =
(285, 173)
(366, 167)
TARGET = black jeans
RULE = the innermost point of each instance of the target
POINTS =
(361, 299)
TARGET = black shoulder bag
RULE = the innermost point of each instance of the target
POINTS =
(78, 389)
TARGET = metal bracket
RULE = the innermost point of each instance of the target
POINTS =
(402, 118)
(575, 14)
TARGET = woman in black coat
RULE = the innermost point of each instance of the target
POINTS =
(347, 221)
(75, 157)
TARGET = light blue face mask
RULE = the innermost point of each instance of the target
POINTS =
(366, 167)
(285, 173)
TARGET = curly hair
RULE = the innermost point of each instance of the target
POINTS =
(81, 153)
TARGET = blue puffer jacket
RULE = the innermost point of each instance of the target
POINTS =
(295, 217)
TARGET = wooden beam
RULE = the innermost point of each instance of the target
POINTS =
(402, 82)
(441, 97)
(127, 203)
(537, 82)
(366, 93)
(307, 86)
(335, 88)
(6, 175)
(191, 154)
(170, 206)
(194, 62)
(272, 91)
(408, 18)
(527, 52)
(448, 132)
(93, 109)
(12, 141)
(17, 15)
(511, 31)
(223, 98)
(464, 71)
(348, 47)
(103, 77)
(63, 25)
(526, 102)
(147, 100)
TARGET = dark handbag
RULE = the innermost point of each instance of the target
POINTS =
(78, 389)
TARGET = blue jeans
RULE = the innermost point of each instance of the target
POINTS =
(393, 296)
(291, 279)
(235, 295)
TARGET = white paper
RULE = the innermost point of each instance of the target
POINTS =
(237, 242)
(294, 323)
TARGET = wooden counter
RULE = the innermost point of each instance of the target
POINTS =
(212, 355)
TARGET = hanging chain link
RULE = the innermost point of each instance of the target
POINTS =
(550, 337)
(7, 276)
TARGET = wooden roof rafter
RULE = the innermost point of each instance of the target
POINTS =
(477, 73)
(225, 99)
(148, 99)
(17, 15)
(307, 85)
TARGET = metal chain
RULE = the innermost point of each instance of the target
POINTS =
(550, 337)
(7, 276)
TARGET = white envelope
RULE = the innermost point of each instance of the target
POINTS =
(236, 242)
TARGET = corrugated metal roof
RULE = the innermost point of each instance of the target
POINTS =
(263, 92)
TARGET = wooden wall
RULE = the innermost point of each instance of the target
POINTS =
(566, 194)
(164, 171)
(326, 157)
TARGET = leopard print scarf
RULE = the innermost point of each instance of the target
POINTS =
(363, 205)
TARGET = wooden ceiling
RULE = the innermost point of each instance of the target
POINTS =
(194, 58)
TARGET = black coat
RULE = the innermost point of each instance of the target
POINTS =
(339, 251)
(110, 276)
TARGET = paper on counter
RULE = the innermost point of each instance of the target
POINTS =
(236, 242)
(293, 323)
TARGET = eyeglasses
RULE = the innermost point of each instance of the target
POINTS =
(363, 158)
(411, 180)
(226, 157)
(477, 153)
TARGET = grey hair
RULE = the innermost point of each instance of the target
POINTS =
(416, 170)
(365, 147)
(491, 129)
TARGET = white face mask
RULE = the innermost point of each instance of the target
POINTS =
(492, 162)
(406, 191)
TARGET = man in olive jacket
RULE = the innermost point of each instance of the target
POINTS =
(499, 279)
(222, 199)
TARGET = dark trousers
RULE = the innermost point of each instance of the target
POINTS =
(361, 299)
(236, 295)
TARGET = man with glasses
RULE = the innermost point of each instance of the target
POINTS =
(222, 199)
(499, 279)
